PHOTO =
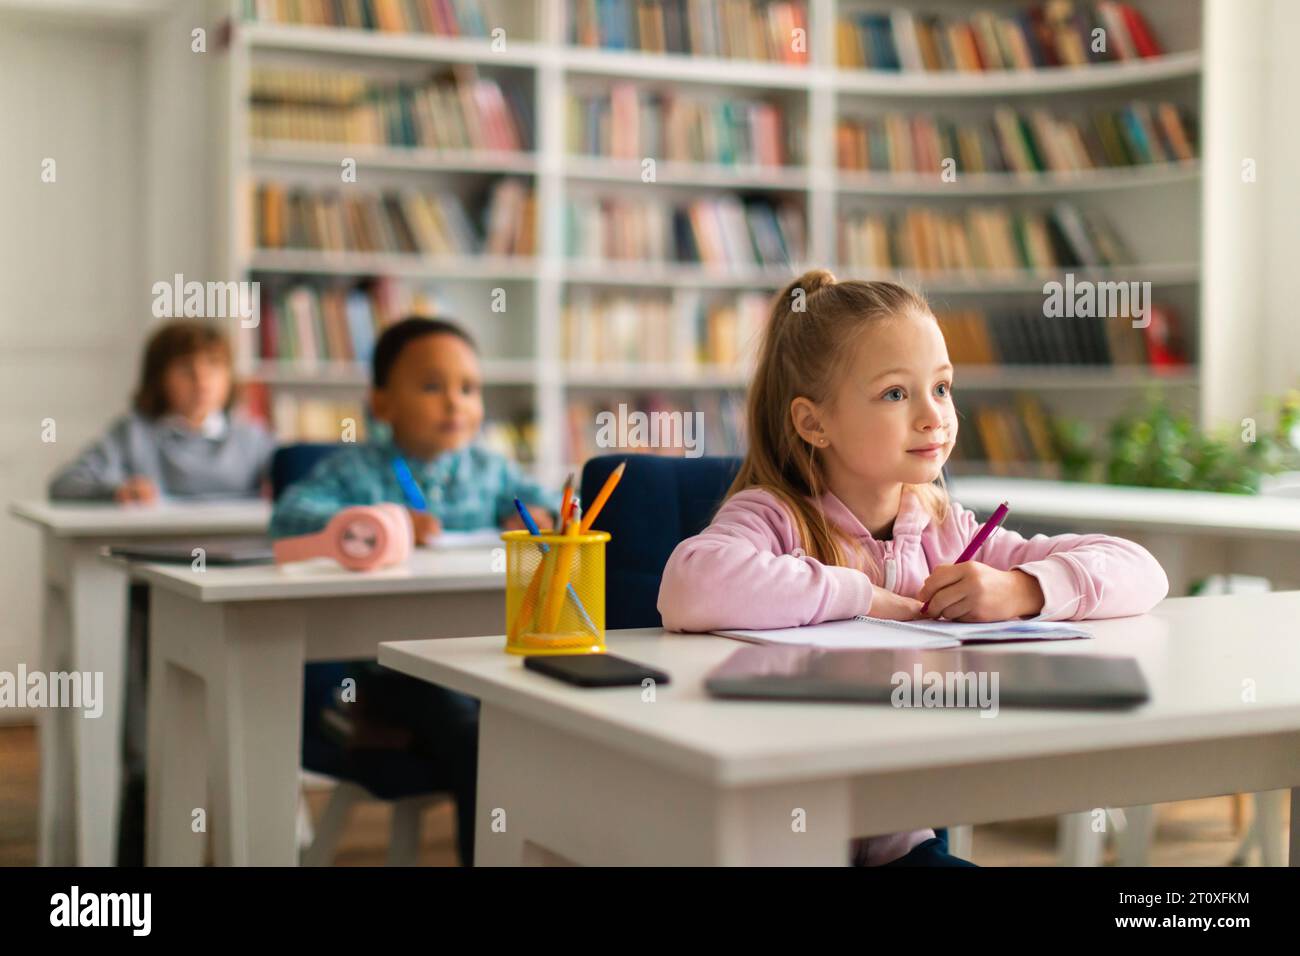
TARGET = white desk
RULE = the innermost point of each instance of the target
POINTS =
(84, 629)
(226, 653)
(604, 777)
(1191, 533)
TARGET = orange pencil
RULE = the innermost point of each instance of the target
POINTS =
(559, 580)
(606, 490)
(564, 502)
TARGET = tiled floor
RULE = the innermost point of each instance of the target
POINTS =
(1188, 833)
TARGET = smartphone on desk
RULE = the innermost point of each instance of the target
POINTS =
(595, 670)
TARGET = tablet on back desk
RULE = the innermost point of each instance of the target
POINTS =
(1023, 679)
(221, 552)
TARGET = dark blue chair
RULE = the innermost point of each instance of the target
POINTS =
(292, 462)
(659, 503)
(394, 775)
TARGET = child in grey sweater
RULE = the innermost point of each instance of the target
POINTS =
(179, 441)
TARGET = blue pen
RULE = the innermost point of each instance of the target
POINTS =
(410, 487)
(531, 525)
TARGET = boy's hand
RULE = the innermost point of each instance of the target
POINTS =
(544, 519)
(971, 592)
(426, 526)
(887, 605)
(136, 489)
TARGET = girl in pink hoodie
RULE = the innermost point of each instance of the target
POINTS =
(840, 509)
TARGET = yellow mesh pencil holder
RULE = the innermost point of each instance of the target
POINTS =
(555, 592)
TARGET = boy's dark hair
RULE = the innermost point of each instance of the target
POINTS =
(175, 340)
(398, 335)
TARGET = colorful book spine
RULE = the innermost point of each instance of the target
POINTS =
(1038, 36)
(406, 222)
(721, 231)
(1008, 141)
(630, 122)
(767, 30)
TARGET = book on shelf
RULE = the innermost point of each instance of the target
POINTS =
(1006, 438)
(323, 323)
(454, 109)
(404, 222)
(1018, 141)
(771, 30)
(980, 239)
(654, 423)
(629, 121)
(1031, 338)
(715, 231)
(691, 330)
(1058, 33)
(451, 18)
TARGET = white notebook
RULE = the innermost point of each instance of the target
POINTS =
(871, 632)
(459, 540)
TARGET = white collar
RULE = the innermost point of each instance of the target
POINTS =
(214, 426)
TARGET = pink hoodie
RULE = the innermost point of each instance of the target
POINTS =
(747, 570)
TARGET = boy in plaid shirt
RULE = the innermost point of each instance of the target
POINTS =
(428, 388)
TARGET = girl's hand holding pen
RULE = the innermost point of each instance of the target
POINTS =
(971, 592)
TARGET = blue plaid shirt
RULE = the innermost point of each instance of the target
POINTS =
(468, 489)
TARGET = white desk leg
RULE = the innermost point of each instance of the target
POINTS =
(255, 709)
(1294, 859)
(551, 798)
(1134, 841)
(1078, 844)
(97, 603)
(1268, 813)
(57, 813)
(177, 731)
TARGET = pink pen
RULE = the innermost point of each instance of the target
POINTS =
(980, 537)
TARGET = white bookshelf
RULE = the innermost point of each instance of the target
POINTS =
(1155, 208)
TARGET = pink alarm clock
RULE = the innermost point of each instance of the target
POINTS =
(360, 538)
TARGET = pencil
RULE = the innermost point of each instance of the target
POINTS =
(606, 490)
(563, 517)
(559, 580)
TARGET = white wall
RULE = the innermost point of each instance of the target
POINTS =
(1251, 349)
(74, 300)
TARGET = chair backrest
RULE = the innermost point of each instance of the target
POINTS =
(659, 502)
(292, 462)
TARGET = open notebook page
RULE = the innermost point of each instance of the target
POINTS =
(866, 632)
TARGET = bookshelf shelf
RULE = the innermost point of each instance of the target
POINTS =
(394, 157)
(704, 175)
(632, 375)
(392, 264)
(635, 64)
(390, 46)
(658, 274)
(1011, 184)
(1156, 207)
(357, 375)
(1061, 79)
(934, 283)
(998, 377)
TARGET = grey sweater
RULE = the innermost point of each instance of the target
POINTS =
(182, 463)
